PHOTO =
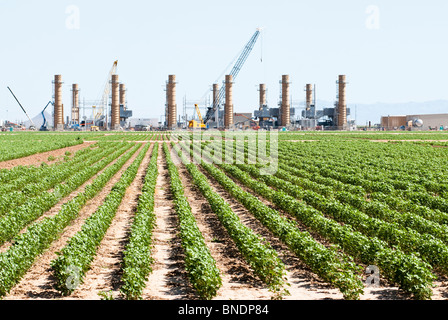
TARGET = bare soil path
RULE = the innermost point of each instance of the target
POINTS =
(38, 158)
(168, 280)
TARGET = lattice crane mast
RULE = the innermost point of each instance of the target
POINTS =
(211, 111)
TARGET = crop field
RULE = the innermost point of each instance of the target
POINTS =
(168, 216)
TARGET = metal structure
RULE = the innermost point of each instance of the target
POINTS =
(100, 110)
(43, 127)
(32, 126)
(213, 111)
(329, 118)
(193, 124)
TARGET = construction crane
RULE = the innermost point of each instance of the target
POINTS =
(43, 127)
(32, 126)
(197, 125)
(211, 111)
(99, 115)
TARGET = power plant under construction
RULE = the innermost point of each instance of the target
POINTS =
(111, 111)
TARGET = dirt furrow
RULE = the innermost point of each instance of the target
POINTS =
(303, 277)
(105, 273)
(55, 209)
(238, 279)
(38, 158)
(168, 280)
(38, 283)
(303, 283)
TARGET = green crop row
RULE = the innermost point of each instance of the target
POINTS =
(331, 265)
(373, 208)
(201, 267)
(75, 258)
(137, 258)
(57, 174)
(256, 250)
(24, 144)
(392, 262)
(19, 218)
(38, 237)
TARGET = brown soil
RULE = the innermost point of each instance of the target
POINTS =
(38, 158)
(169, 280)
(38, 283)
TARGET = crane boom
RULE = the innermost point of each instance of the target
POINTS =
(234, 72)
(100, 110)
(199, 113)
(32, 123)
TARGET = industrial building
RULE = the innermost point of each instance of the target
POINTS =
(415, 122)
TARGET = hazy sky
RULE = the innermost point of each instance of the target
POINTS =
(390, 51)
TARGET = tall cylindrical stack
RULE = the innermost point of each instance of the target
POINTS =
(262, 95)
(75, 103)
(123, 95)
(342, 104)
(309, 96)
(215, 96)
(172, 106)
(228, 108)
(58, 107)
(115, 106)
(286, 105)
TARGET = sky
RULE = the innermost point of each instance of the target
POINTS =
(391, 51)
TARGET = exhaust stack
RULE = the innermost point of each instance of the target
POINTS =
(58, 106)
(342, 104)
(262, 95)
(285, 109)
(228, 108)
(115, 107)
(172, 106)
(75, 103)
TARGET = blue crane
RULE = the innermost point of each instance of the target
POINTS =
(211, 111)
(43, 127)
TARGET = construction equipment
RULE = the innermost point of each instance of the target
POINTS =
(100, 111)
(32, 126)
(43, 127)
(253, 123)
(197, 125)
(94, 128)
(212, 110)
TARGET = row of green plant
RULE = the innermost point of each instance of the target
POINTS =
(418, 203)
(16, 178)
(20, 217)
(393, 262)
(386, 170)
(373, 207)
(74, 260)
(18, 145)
(137, 257)
(257, 252)
(29, 245)
(329, 263)
(202, 271)
(48, 179)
